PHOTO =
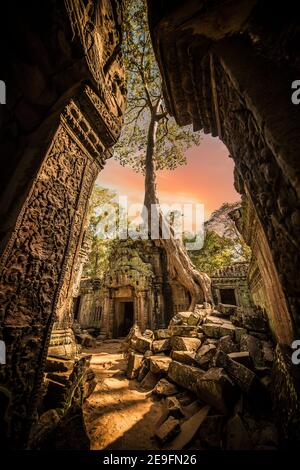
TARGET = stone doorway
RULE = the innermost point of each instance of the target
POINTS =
(228, 296)
(123, 319)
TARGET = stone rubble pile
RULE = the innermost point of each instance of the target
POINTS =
(211, 369)
(67, 384)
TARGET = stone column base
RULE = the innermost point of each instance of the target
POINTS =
(63, 344)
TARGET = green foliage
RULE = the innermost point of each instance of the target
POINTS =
(217, 252)
(145, 99)
(97, 261)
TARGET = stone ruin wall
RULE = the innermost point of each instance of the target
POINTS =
(263, 279)
(232, 78)
(60, 121)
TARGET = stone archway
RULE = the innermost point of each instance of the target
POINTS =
(64, 112)
(227, 68)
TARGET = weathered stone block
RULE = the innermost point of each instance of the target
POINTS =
(213, 319)
(149, 381)
(194, 319)
(217, 389)
(58, 365)
(159, 364)
(205, 354)
(144, 369)
(242, 376)
(179, 343)
(161, 345)
(169, 429)
(162, 334)
(185, 357)
(181, 318)
(227, 309)
(185, 330)
(189, 429)
(172, 407)
(185, 376)
(227, 345)
(143, 344)
(165, 388)
(134, 363)
(217, 331)
(253, 346)
(242, 357)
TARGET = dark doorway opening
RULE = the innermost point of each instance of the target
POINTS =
(76, 309)
(228, 296)
(123, 320)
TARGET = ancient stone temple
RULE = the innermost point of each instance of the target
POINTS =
(227, 68)
(230, 285)
(135, 290)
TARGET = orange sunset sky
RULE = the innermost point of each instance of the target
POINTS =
(207, 178)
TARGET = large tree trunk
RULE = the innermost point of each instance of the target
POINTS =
(179, 264)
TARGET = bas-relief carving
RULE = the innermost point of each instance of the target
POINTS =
(37, 264)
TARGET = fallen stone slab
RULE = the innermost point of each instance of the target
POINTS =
(188, 429)
(169, 429)
(149, 382)
(242, 376)
(185, 330)
(253, 346)
(144, 369)
(191, 409)
(194, 319)
(214, 330)
(242, 357)
(161, 345)
(185, 357)
(215, 388)
(227, 345)
(181, 318)
(142, 344)
(58, 365)
(213, 319)
(159, 364)
(165, 388)
(185, 376)
(162, 333)
(172, 407)
(180, 343)
(205, 354)
(134, 363)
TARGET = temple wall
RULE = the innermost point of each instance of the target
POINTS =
(225, 71)
(63, 113)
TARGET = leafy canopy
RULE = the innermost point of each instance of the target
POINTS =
(100, 248)
(144, 94)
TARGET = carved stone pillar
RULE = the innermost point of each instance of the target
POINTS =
(105, 319)
(142, 313)
(37, 269)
